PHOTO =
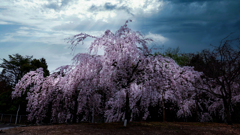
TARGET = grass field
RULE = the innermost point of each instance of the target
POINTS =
(133, 128)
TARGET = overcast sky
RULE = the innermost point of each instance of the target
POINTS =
(38, 27)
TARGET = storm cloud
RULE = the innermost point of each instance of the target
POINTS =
(39, 27)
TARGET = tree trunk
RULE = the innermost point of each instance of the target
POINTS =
(93, 114)
(228, 113)
(196, 109)
(163, 109)
(75, 112)
(127, 108)
(104, 105)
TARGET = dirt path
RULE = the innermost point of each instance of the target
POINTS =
(7, 126)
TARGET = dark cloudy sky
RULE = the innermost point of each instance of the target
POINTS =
(38, 27)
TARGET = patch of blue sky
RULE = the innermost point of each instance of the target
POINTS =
(8, 28)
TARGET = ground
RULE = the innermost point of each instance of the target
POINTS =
(133, 128)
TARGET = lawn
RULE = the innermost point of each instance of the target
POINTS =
(133, 128)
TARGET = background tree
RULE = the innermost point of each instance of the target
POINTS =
(13, 70)
(201, 63)
(17, 66)
(4, 84)
(5, 95)
(35, 63)
(182, 59)
(221, 70)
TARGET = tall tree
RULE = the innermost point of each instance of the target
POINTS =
(4, 83)
(35, 63)
(17, 66)
(200, 63)
(221, 73)
(117, 70)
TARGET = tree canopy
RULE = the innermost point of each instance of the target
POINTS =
(17, 66)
